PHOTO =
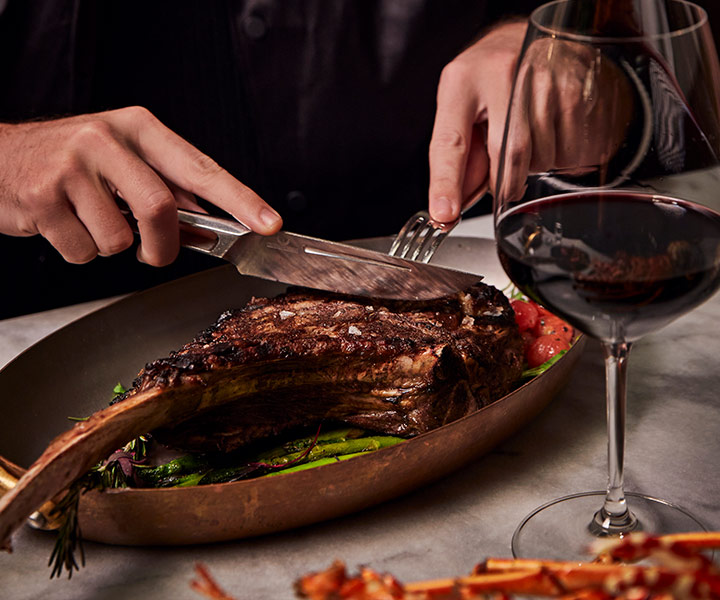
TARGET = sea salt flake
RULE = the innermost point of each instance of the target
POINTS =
(352, 330)
(286, 314)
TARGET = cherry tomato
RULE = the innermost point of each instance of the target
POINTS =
(544, 348)
(549, 324)
(526, 314)
(542, 311)
(528, 338)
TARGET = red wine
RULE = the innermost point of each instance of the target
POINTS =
(614, 264)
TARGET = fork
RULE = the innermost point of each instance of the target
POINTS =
(421, 236)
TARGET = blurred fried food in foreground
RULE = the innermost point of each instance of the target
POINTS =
(674, 567)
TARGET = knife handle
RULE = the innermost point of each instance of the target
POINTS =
(226, 232)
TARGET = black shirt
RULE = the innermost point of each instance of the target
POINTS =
(323, 107)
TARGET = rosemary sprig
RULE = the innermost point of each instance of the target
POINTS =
(115, 472)
(69, 537)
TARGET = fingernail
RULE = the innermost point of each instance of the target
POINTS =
(269, 217)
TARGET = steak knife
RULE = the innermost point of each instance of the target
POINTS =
(305, 261)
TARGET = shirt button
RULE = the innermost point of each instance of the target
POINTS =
(254, 27)
(296, 201)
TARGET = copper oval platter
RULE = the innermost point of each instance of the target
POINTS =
(72, 373)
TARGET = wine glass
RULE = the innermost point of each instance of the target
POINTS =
(606, 210)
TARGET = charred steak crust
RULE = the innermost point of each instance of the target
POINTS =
(401, 368)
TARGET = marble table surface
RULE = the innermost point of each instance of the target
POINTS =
(443, 529)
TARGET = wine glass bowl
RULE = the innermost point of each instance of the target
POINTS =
(615, 264)
(606, 209)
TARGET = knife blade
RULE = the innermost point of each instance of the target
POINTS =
(305, 261)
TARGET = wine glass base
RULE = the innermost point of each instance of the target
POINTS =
(564, 529)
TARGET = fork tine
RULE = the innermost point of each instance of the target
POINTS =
(421, 242)
(431, 243)
(408, 234)
(416, 237)
(420, 237)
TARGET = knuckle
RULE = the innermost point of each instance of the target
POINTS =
(42, 192)
(39, 201)
(454, 73)
(35, 195)
(157, 204)
(117, 243)
(205, 167)
(442, 185)
(75, 251)
(157, 257)
(450, 140)
(517, 157)
(70, 164)
(139, 114)
(80, 257)
(91, 133)
(68, 167)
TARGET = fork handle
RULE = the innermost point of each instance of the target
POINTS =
(474, 197)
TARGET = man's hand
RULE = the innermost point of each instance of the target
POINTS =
(571, 108)
(570, 111)
(472, 101)
(60, 178)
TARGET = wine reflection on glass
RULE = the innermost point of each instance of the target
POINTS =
(607, 210)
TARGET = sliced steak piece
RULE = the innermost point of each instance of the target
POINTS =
(400, 368)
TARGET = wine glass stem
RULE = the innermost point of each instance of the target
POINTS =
(615, 517)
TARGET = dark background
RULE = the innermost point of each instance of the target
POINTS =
(324, 108)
